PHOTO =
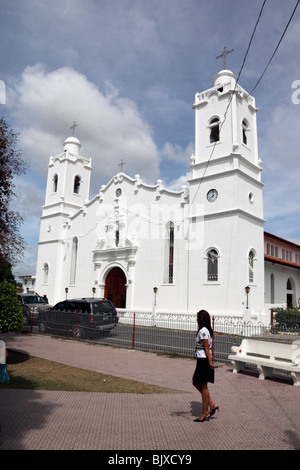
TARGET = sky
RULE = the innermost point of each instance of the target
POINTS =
(127, 71)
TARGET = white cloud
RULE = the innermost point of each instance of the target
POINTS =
(28, 263)
(176, 153)
(44, 106)
(177, 184)
(110, 127)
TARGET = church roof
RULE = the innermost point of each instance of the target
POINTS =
(282, 240)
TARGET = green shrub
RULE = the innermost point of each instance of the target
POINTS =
(11, 318)
(289, 317)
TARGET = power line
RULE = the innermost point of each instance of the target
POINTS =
(276, 46)
(252, 36)
(244, 60)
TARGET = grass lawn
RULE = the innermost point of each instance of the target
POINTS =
(31, 373)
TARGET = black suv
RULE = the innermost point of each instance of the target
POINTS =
(81, 317)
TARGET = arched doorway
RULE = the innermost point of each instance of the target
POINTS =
(115, 287)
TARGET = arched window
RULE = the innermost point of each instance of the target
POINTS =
(117, 237)
(212, 265)
(245, 130)
(169, 254)
(214, 130)
(251, 265)
(55, 183)
(77, 181)
(74, 260)
(46, 273)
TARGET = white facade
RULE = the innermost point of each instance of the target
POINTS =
(198, 247)
(28, 283)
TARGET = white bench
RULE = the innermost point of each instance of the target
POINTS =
(267, 356)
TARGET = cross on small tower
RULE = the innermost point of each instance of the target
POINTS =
(224, 54)
(73, 127)
(122, 164)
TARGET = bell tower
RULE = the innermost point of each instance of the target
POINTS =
(68, 180)
(68, 185)
(226, 150)
(225, 122)
(226, 194)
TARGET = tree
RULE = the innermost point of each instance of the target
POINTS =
(11, 163)
(6, 272)
(11, 318)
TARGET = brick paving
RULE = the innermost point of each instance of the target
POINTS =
(254, 414)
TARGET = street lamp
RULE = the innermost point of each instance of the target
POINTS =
(155, 289)
(247, 290)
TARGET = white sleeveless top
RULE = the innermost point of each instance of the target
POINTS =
(202, 334)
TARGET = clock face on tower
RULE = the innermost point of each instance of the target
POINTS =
(212, 195)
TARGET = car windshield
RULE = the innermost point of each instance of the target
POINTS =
(101, 307)
(33, 299)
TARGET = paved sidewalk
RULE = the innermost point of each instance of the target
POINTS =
(254, 414)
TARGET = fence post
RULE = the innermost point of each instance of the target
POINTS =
(133, 332)
(213, 329)
(31, 322)
(272, 317)
(76, 323)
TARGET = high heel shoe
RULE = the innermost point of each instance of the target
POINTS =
(215, 408)
(206, 418)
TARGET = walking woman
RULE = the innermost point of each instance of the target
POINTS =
(204, 371)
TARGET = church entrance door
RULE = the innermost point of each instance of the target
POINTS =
(115, 287)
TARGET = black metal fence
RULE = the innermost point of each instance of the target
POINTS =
(172, 334)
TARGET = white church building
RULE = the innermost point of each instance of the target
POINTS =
(148, 248)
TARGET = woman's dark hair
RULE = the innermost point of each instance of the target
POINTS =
(203, 319)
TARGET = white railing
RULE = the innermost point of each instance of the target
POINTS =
(177, 320)
(158, 319)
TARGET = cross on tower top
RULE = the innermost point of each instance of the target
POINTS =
(73, 127)
(224, 54)
(122, 164)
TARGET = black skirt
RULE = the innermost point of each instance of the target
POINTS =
(203, 373)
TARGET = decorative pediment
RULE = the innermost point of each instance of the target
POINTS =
(125, 252)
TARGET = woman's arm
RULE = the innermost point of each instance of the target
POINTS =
(207, 352)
